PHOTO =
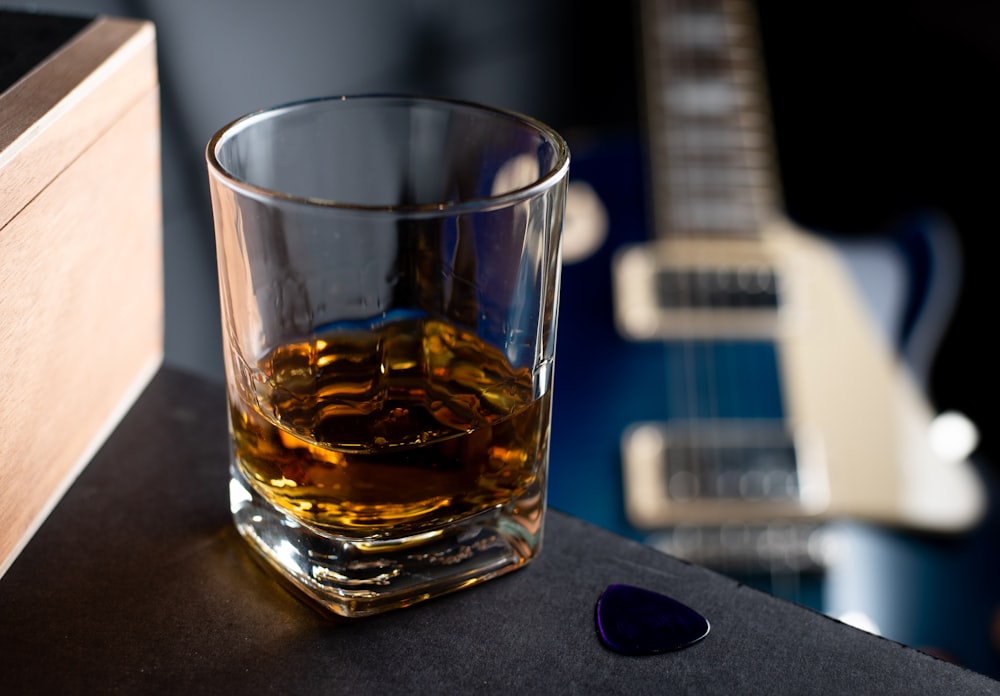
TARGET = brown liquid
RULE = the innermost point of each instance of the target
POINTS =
(377, 434)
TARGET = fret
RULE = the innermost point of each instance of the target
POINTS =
(711, 185)
(723, 216)
(711, 176)
(702, 63)
(712, 140)
(702, 98)
(699, 139)
(711, 160)
(694, 29)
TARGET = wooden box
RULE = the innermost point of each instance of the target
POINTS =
(81, 287)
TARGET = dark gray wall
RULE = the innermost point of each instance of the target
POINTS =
(219, 59)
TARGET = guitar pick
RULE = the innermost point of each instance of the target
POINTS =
(635, 621)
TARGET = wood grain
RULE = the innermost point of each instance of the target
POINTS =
(81, 298)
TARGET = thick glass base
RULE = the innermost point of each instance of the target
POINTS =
(360, 577)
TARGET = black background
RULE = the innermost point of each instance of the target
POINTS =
(883, 107)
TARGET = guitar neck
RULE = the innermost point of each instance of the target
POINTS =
(712, 167)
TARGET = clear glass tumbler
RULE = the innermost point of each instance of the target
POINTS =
(389, 274)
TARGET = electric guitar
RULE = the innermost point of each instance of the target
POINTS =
(723, 387)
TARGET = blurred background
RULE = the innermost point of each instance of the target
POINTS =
(878, 108)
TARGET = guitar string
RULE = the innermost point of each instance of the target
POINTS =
(682, 80)
(737, 191)
(674, 217)
(678, 212)
(666, 209)
(700, 199)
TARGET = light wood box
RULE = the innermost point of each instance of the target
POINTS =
(81, 287)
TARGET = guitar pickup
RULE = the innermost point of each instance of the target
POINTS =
(722, 467)
(719, 472)
(717, 289)
(698, 288)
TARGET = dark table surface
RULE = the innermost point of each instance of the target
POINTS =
(138, 583)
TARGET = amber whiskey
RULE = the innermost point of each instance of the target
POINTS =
(387, 432)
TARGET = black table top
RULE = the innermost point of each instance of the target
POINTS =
(138, 583)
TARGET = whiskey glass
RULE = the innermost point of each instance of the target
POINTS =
(389, 280)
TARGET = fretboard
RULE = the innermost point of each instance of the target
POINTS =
(707, 120)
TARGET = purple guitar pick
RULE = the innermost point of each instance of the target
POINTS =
(635, 621)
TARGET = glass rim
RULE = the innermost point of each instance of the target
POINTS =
(542, 183)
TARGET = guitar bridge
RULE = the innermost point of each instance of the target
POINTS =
(773, 548)
(719, 472)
